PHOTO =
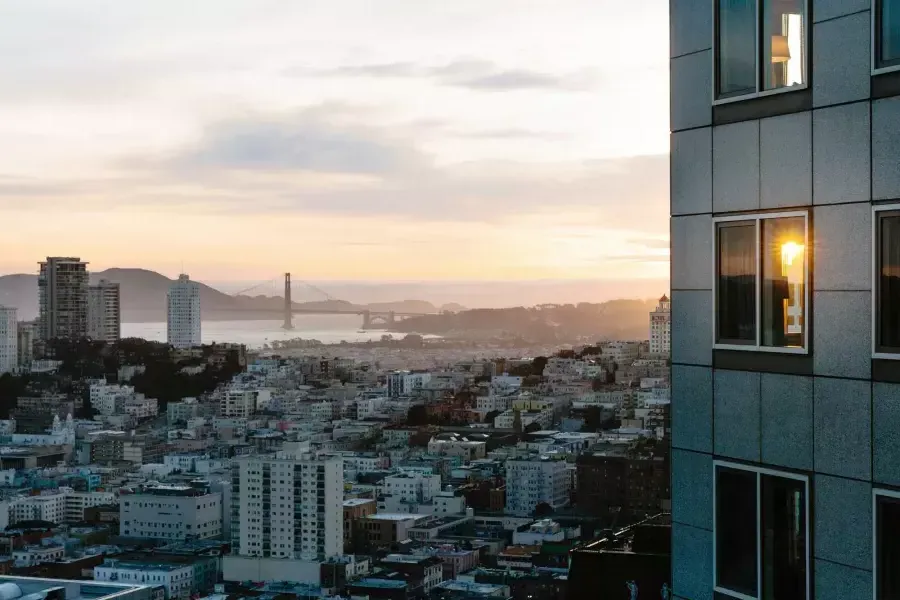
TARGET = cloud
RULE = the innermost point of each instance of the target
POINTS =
(478, 75)
(649, 242)
(512, 134)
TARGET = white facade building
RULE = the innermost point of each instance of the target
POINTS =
(303, 514)
(9, 340)
(238, 403)
(171, 513)
(104, 312)
(176, 580)
(413, 487)
(404, 383)
(531, 481)
(183, 323)
(661, 327)
(108, 399)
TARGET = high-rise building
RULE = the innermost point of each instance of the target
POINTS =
(9, 340)
(661, 327)
(785, 229)
(183, 319)
(287, 505)
(104, 311)
(62, 291)
(533, 480)
(25, 335)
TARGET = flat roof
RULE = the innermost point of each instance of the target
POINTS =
(75, 590)
(357, 501)
(379, 583)
(397, 517)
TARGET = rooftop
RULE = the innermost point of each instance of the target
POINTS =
(380, 583)
(357, 501)
(20, 587)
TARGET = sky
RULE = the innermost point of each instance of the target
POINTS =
(478, 140)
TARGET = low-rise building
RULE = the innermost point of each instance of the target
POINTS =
(171, 512)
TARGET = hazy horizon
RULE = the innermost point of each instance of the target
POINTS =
(245, 138)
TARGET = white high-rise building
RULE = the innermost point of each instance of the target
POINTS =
(287, 505)
(9, 340)
(62, 291)
(533, 480)
(183, 329)
(104, 311)
(661, 327)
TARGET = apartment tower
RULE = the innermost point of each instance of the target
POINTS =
(62, 292)
(287, 506)
(104, 311)
(9, 340)
(661, 327)
(785, 228)
(183, 318)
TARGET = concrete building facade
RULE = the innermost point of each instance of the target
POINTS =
(62, 296)
(534, 480)
(9, 340)
(661, 327)
(785, 233)
(104, 312)
(287, 506)
(183, 314)
(171, 513)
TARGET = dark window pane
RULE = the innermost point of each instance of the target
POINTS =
(783, 282)
(784, 43)
(887, 539)
(736, 290)
(889, 283)
(736, 48)
(783, 513)
(736, 530)
(889, 32)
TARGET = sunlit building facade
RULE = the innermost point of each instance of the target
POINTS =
(785, 228)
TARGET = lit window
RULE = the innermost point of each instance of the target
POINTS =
(749, 31)
(761, 275)
(887, 33)
(761, 534)
(887, 282)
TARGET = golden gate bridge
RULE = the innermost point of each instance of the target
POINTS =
(372, 319)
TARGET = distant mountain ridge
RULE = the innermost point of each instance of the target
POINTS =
(144, 299)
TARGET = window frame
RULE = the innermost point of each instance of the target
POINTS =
(758, 218)
(875, 37)
(876, 494)
(877, 353)
(760, 93)
(759, 471)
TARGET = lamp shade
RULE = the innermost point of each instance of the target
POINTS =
(781, 52)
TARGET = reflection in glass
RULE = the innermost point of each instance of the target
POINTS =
(736, 530)
(889, 33)
(736, 299)
(783, 282)
(783, 515)
(889, 283)
(887, 548)
(736, 48)
(784, 47)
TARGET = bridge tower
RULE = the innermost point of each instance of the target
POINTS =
(288, 305)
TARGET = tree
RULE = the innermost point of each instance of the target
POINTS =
(417, 415)
(489, 418)
(543, 510)
(532, 427)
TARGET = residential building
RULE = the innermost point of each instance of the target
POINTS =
(183, 317)
(9, 340)
(176, 579)
(287, 506)
(354, 510)
(413, 487)
(628, 484)
(785, 233)
(29, 556)
(425, 572)
(534, 480)
(237, 402)
(405, 383)
(661, 327)
(25, 343)
(62, 295)
(104, 312)
(171, 512)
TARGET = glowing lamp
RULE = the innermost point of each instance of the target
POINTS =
(781, 51)
(790, 251)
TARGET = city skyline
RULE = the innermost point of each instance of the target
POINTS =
(407, 144)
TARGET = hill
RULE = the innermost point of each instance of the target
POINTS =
(616, 319)
(144, 299)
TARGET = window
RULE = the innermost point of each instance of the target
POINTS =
(760, 46)
(761, 276)
(886, 515)
(887, 34)
(761, 534)
(886, 335)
